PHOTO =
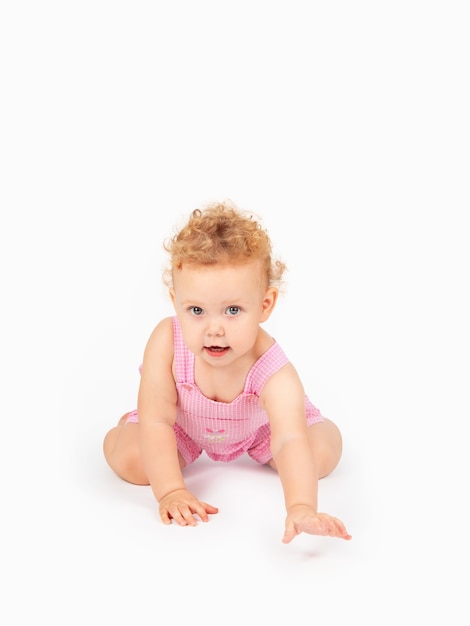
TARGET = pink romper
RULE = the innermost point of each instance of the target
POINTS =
(223, 430)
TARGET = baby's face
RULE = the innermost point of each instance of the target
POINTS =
(220, 309)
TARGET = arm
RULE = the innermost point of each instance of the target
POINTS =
(156, 404)
(283, 397)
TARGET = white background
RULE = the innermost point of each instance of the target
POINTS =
(345, 126)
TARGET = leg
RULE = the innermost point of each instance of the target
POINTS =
(122, 452)
(327, 446)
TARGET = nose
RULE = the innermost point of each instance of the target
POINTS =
(215, 328)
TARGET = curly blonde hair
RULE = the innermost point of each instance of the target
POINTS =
(221, 233)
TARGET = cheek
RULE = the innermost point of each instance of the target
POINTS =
(187, 331)
(246, 331)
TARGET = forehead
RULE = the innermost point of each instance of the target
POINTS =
(222, 279)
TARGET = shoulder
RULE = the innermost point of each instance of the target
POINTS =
(161, 340)
(157, 383)
(283, 387)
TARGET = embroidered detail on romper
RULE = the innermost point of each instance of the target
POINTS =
(214, 435)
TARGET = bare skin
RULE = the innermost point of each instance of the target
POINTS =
(220, 309)
(121, 450)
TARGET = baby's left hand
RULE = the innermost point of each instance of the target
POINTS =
(303, 519)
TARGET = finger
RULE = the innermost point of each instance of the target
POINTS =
(165, 517)
(210, 509)
(187, 516)
(289, 533)
(344, 533)
(332, 526)
(178, 514)
(202, 509)
(337, 528)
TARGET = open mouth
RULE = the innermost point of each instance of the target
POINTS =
(216, 350)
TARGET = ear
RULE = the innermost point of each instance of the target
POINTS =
(269, 302)
(171, 291)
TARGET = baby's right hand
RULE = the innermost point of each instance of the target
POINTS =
(181, 506)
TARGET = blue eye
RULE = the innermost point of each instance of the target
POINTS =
(196, 310)
(232, 310)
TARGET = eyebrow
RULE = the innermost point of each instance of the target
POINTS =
(196, 302)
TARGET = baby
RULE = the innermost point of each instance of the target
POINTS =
(213, 379)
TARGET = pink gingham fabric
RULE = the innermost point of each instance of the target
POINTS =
(225, 431)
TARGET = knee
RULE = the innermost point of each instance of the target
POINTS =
(327, 444)
(124, 460)
(131, 470)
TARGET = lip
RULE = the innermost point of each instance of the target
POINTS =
(216, 351)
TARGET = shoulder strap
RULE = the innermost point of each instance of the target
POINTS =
(269, 363)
